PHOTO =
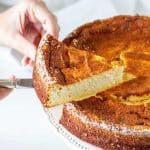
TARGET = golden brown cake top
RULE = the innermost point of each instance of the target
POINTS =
(124, 40)
(121, 40)
(64, 65)
(111, 115)
(126, 105)
(96, 47)
(139, 86)
(121, 37)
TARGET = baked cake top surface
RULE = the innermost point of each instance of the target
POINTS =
(96, 47)
(65, 65)
(124, 40)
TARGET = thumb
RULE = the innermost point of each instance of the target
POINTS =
(25, 47)
(4, 92)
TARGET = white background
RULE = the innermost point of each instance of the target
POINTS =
(23, 123)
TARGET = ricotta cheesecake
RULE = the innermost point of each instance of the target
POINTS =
(117, 118)
(102, 69)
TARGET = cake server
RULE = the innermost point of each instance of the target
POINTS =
(16, 83)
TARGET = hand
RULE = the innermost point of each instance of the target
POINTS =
(4, 92)
(22, 26)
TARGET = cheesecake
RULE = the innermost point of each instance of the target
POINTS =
(117, 118)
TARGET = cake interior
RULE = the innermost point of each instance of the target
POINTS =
(80, 90)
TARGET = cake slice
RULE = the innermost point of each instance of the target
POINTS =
(64, 73)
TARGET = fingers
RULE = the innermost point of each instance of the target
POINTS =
(50, 25)
(35, 20)
(27, 61)
(38, 12)
(15, 22)
(25, 47)
(4, 92)
(32, 34)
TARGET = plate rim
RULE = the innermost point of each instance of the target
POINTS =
(71, 139)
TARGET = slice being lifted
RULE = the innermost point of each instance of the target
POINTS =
(63, 73)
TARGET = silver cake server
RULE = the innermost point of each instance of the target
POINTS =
(16, 83)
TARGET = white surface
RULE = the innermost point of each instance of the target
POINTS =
(83, 12)
(23, 123)
(71, 140)
(53, 5)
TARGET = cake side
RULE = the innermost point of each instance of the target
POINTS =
(44, 74)
(102, 134)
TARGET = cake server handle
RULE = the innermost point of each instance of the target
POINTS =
(16, 83)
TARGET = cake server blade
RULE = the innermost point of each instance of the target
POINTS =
(16, 83)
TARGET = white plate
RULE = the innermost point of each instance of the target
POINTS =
(54, 115)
